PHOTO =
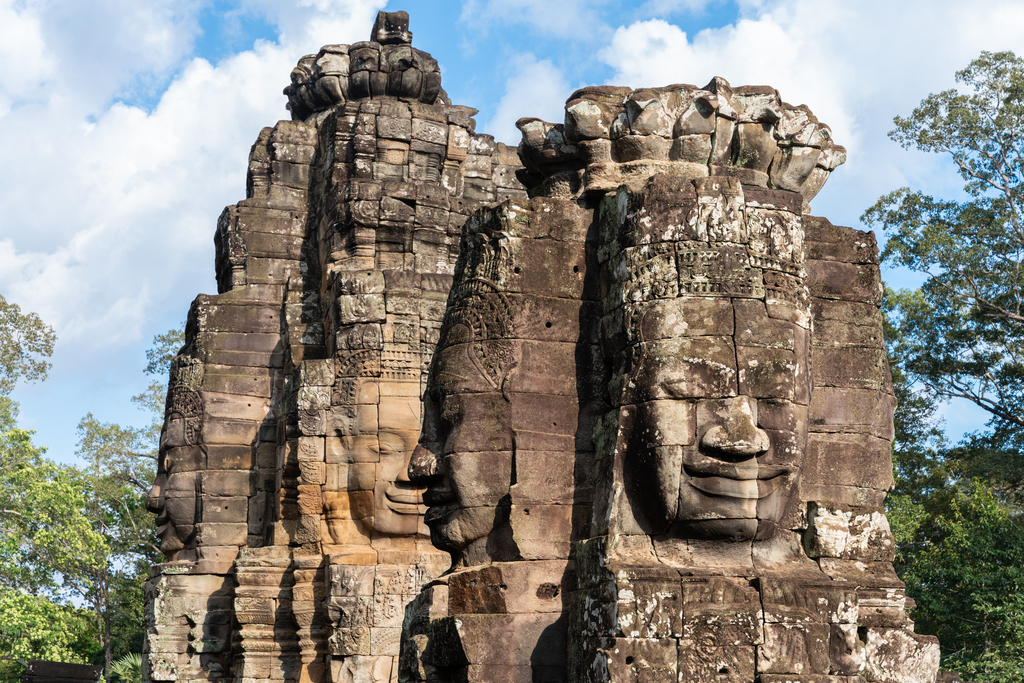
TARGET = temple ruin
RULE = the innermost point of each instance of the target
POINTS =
(612, 406)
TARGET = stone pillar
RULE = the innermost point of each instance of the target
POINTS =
(737, 531)
(651, 401)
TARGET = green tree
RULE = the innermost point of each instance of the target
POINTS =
(920, 470)
(969, 587)
(121, 465)
(33, 627)
(53, 545)
(955, 509)
(962, 331)
(25, 340)
(82, 535)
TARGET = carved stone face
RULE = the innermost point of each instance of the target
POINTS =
(718, 422)
(397, 504)
(464, 456)
(716, 385)
(173, 497)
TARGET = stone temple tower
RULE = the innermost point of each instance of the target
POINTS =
(293, 536)
(609, 407)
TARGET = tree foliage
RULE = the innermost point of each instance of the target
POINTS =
(969, 586)
(963, 329)
(33, 627)
(955, 509)
(81, 535)
(25, 340)
(122, 463)
(128, 668)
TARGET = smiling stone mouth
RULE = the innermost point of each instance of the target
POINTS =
(404, 501)
(746, 480)
(747, 489)
(403, 496)
(436, 513)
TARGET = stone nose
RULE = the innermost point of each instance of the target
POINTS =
(154, 501)
(422, 465)
(736, 431)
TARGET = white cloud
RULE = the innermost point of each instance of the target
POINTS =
(857, 65)
(23, 55)
(109, 209)
(537, 88)
(137, 191)
(308, 24)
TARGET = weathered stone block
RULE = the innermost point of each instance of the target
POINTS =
(637, 660)
(719, 664)
(794, 649)
(839, 409)
(721, 610)
(542, 477)
(900, 655)
(852, 533)
(225, 509)
(495, 639)
(844, 281)
(227, 483)
(221, 534)
(541, 532)
(430, 131)
(829, 242)
(360, 308)
(859, 368)
(848, 459)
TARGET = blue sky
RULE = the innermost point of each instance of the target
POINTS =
(125, 127)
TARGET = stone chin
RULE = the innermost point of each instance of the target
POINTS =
(731, 530)
(452, 530)
(443, 528)
(717, 529)
(170, 542)
(743, 515)
(463, 532)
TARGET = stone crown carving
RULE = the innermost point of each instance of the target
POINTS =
(616, 135)
(384, 66)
